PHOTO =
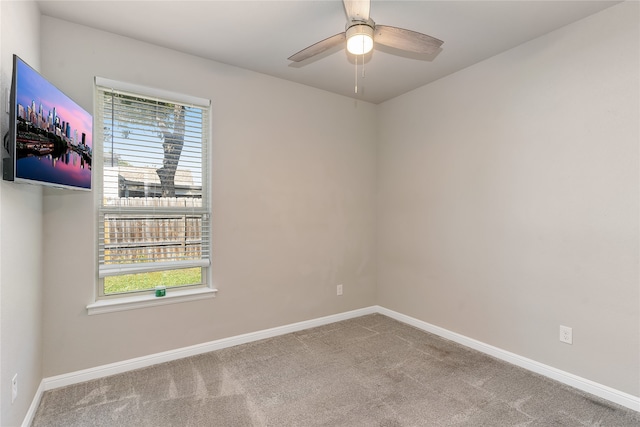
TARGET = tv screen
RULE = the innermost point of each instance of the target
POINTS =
(50, 138)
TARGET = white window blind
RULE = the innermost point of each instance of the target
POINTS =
(154, 210)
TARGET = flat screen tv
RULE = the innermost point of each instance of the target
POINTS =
(50, 138)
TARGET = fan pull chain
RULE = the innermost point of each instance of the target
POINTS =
(356, 75)
(356, 69)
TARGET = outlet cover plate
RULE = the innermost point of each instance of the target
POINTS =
(566, 334)
(14, 388)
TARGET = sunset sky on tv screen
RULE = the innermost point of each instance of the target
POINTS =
(31, 86)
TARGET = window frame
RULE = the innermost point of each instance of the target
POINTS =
(135, 299)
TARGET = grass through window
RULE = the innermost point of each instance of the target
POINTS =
(148, 281)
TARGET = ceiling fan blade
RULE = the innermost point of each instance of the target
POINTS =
(357, 10)
(318, 48)
(407, 40)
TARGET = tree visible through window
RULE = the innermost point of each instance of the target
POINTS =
(153, 226)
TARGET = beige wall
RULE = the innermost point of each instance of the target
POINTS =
(293, 205)
(509, 200)
(20, 237)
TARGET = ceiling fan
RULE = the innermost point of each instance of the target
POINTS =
(361, 32)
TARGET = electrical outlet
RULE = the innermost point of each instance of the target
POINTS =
(14, 388)
(339, 290)
(566, 334)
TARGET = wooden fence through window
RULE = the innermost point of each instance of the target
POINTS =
(147, 236)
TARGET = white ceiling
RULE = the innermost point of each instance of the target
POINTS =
(261, 35)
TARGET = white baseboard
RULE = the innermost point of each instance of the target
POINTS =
(605, 392)
(31, 412)
(627, 400)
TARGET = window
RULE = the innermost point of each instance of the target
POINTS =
(153, 190)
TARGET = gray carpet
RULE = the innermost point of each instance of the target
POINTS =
(368, 371)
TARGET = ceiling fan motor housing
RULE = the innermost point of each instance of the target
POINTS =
(360, 36)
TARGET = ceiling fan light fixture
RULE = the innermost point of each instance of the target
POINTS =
(360, 39)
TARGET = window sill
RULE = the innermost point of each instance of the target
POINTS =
(149, 300)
